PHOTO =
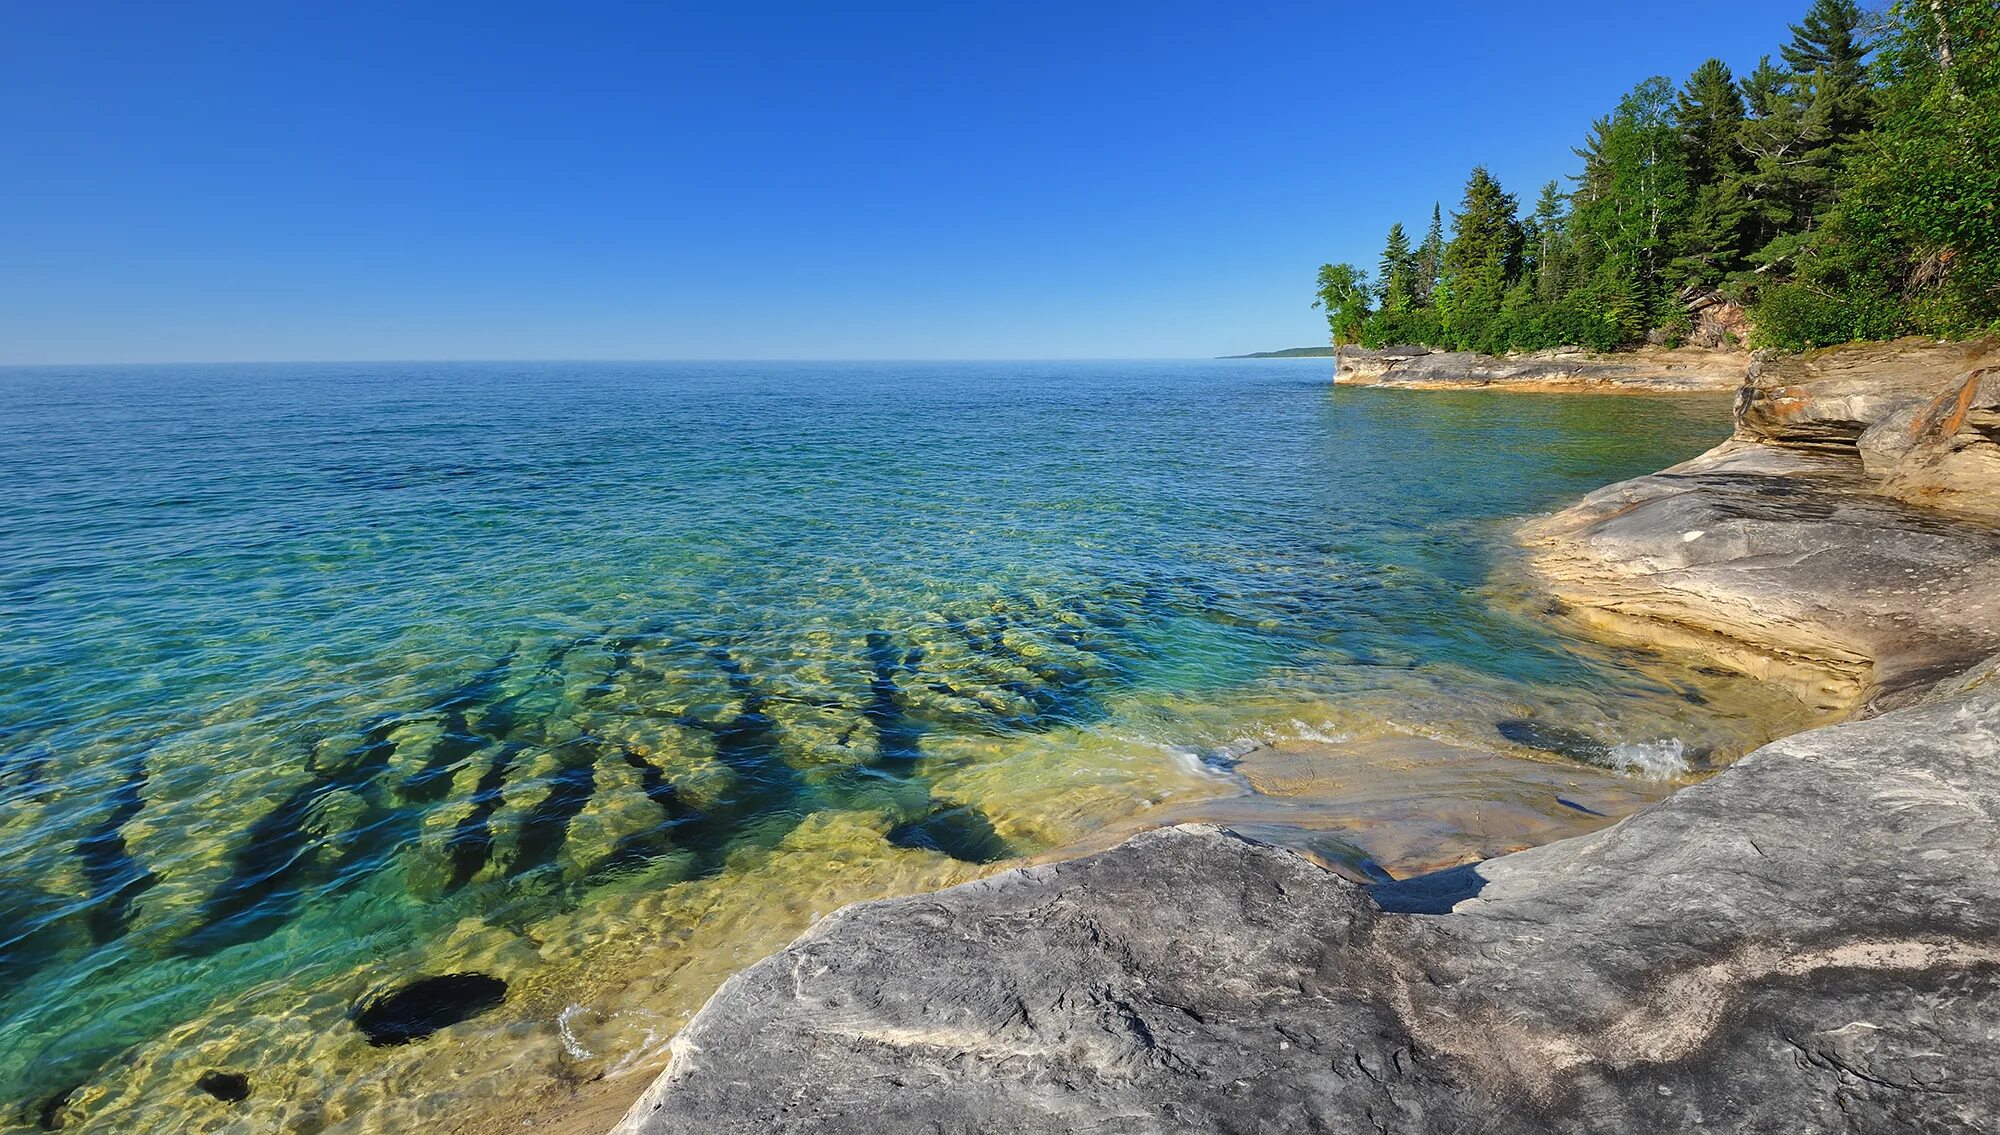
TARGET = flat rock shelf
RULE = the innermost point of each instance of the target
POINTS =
(1806, 942)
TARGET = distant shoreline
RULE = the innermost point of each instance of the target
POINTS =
(1290, 353)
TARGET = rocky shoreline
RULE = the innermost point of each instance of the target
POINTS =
(1807, 941)
(1658, 370)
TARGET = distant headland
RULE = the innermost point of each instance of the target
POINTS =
(1290, 353)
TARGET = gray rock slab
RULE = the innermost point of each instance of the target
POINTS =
(1807, 942)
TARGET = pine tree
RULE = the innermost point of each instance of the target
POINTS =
(1829, 39)
(1484, 255)
(1430, 258)
(1790, 160)
(1828, 48)
(1398, 272)
(1710, 246)
(1631, 202)
(1710, 113)
(1547, 245)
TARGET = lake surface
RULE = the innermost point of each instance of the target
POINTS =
(602, 680)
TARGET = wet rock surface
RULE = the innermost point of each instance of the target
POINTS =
(1652, 368)
(1805, 942)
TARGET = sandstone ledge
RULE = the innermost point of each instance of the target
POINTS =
(1846, 540)
(1806, 942)
(1649, 369)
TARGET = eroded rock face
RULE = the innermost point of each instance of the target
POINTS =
(1652, 368)
(1805, 942)
(1846, 540)
(1783, 563)
(1922, 417)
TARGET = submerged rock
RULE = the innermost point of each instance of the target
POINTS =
(418, 1009)
(229, 1087)
(960, 831)
(1802, 943)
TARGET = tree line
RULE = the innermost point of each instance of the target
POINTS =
(1849, 190)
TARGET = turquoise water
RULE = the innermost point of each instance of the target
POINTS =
(317, 678)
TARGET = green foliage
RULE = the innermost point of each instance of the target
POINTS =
(1430, 257)
(1343, 294)
(1851, 192)
(1913, 242)
(1398, 273)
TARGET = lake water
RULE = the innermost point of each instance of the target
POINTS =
(602, 680)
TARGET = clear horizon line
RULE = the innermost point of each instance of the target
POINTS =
(4, 365)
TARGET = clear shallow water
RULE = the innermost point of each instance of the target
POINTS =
(604, 679)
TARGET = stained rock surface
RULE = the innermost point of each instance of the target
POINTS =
(1809, 941)
(1922, 418)
(1652, 368)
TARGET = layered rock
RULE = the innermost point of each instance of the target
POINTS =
(1651, 368)
(1923, 418)
(1798, 550)
(1803, 943)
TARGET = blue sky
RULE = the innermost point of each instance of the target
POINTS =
(360, 180)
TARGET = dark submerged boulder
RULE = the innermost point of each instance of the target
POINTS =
(419, 1008)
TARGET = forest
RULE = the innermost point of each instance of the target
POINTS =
(1847, 189)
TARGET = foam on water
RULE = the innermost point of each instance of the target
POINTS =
(1664, 759)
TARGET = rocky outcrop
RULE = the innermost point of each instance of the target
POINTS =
(1648, 369)
(1805, 942)
(1923, 418)
(1719, 323)
(1798, 550)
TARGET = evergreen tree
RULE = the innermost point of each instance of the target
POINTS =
(1546, 257)
(1828, 48)
(1398, 272)
(1711, 245)
(1913, 244)
(1430, 257)
(1484, 255)
(1790, 160)
(1849, 193)
(1709, 111)
(1632, 199)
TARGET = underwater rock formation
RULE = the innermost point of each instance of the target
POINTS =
(417, 1009)
(1800, 943)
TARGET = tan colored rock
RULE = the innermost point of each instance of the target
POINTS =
(1719, 323)
(1796, 551)
(1651, 369)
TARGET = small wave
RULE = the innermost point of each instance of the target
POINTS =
(570, 1044)
(1306, 731)
(1654, 760)
(632, 1035)
(1213, 764)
